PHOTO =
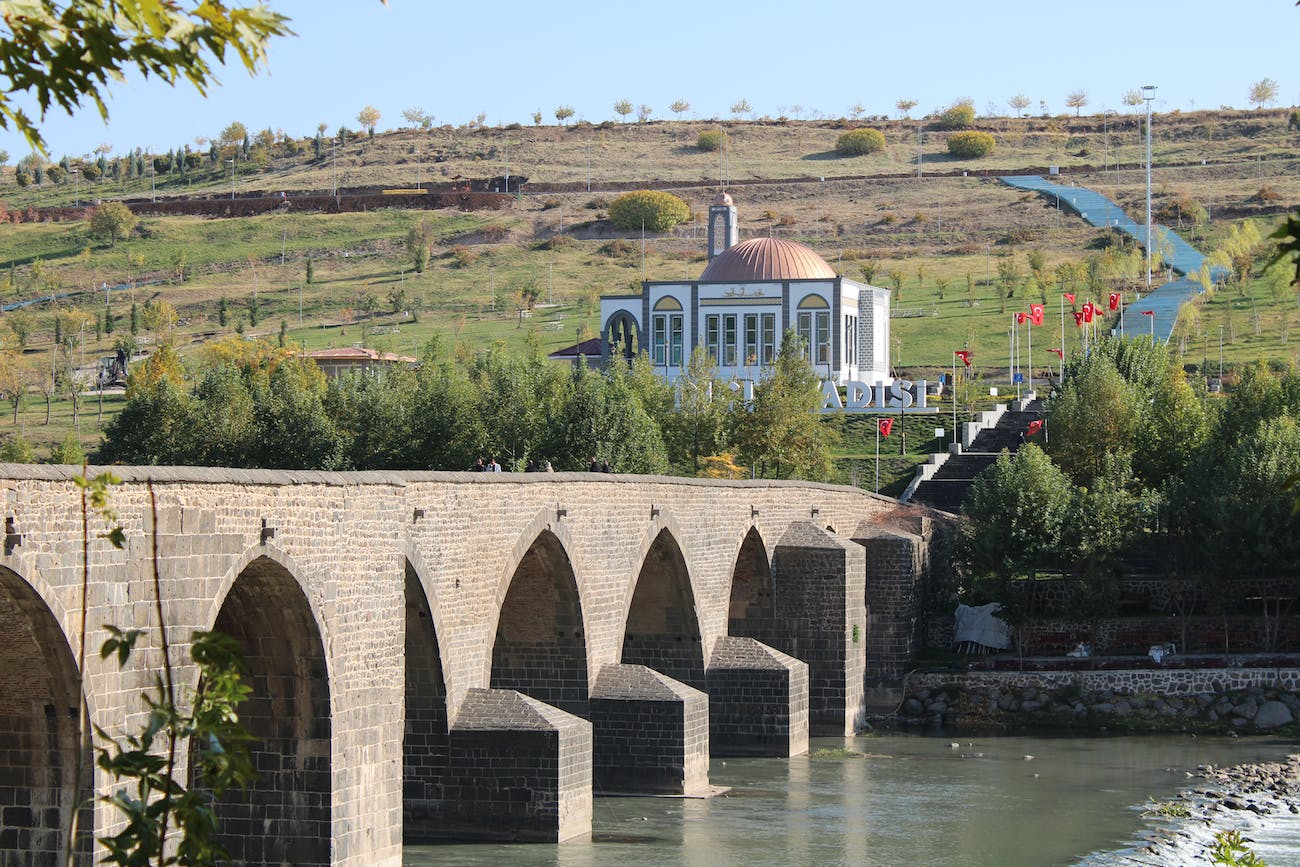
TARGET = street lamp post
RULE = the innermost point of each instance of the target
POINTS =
(1148, 94)
(76, 188)
(232, 178)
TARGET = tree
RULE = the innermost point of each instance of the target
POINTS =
(740, 107)
(860, 141)
(563, 113)
(368, 117)
(678, 108)
(780, 432)
(1263, 92)
(14, 378)
(112, 220)
(66, 52)
(905, 106)
(1096, 413)
(1133, 98)
(233, 134)
(1077, 99)
(643, 113)
(971, 144)
(20, 325)
(417, 117)
(1019, 103)
(623, 108)
(697, 427)
(710, 140)
(959, 115)
(537, 118)
(417, 245)
(653, 210)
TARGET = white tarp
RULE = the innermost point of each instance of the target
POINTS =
(982, 626)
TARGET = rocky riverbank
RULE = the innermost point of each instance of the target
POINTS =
(1252, 799)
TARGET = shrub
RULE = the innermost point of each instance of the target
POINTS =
(960, 115)
(656, 210)
(462, 256)
(496, 233)
(556, 242)
(970, 145)
(710, 139)
(860, 141)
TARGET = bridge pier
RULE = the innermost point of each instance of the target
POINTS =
(517, 770)
(758, 700)
(895, 564)
(819, 591)
(651, 733)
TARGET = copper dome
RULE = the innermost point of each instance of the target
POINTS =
(767, 259)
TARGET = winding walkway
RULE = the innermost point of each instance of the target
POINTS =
(1100, 211)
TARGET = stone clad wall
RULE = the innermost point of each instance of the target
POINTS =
(349, 542)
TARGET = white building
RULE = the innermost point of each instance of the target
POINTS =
(748, 296)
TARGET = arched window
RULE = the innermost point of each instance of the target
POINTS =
(814, 325)
(666, 332)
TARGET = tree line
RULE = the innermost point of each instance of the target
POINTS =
(253, 404)
(1133, 457)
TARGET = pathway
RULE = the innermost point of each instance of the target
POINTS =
(1100, 211)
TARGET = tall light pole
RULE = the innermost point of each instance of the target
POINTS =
(1148, 94)
(232, 178)
(76, 187)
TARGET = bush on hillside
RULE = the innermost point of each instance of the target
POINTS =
(960, 115)
(970, 145)
(657, 211)
(710, 140)
(860, 141)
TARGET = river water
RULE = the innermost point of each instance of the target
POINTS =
(910, 800)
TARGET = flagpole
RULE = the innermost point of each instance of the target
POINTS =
(1121, 312)
(1030, 329)
(1011, 355)
(877, 456)
(1061, 298)
(954, 396)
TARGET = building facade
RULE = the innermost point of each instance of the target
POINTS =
(739, 308)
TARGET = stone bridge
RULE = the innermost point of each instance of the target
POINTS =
(448, 654)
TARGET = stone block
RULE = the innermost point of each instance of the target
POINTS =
(650, 733)
(758, 700)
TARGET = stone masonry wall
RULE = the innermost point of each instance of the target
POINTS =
(348, 541)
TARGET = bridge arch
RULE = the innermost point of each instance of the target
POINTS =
(751, 604)
(268, 609)
(661, 622)
(39, 743)
(539, 644)
(425, 738)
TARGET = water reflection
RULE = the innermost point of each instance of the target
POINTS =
(911, 799)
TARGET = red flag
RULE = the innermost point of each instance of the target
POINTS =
(885, 426)
(1035, 426)
(1148, 313)
(964, 355)
(1088, 311)
(1114, 300)
(1036, 314)
(1021, 318)
(1069, 296)
(1060, 353)
(1078, 319)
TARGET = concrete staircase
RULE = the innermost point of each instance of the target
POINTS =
(944, 481)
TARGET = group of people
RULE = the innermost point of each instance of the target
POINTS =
(534, 466)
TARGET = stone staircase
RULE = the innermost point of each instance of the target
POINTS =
(944, 481)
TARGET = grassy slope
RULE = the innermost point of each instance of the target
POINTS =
(948, 227)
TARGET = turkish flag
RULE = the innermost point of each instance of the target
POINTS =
(1021, 317)
(1088, 311)
(1060, 353)
(1035, 426)
(1148, 313)
(1078, 319)
(885, 426)
(1069, 296)
(1036, 314)
(1114, 300)
(964, 355)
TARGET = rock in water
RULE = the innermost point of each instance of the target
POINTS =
(1272, 714)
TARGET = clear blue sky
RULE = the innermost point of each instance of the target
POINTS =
(509, 59)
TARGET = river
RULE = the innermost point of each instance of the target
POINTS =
(1010, 801)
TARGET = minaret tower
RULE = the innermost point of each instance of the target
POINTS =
(723, 230)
